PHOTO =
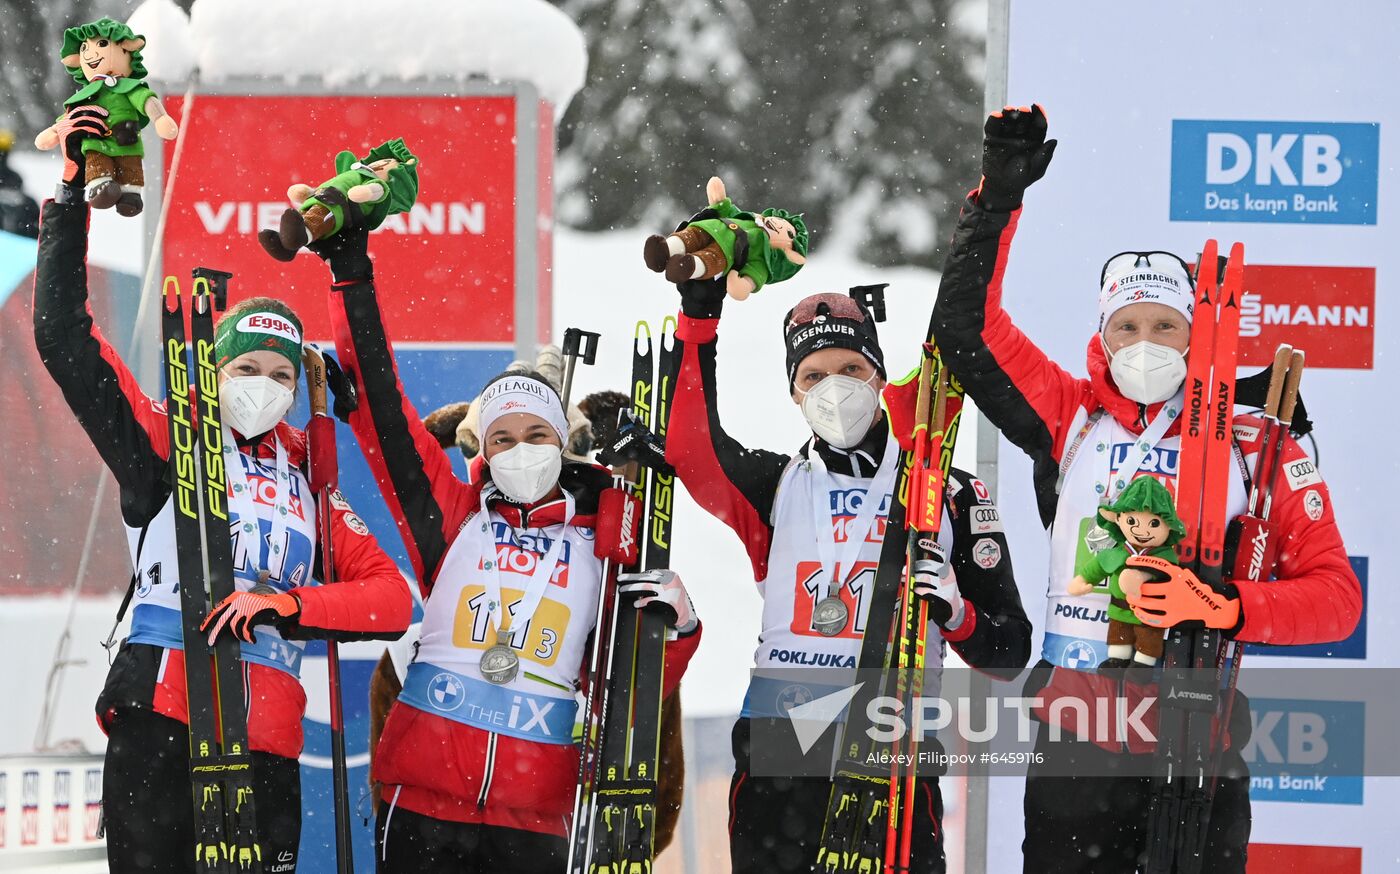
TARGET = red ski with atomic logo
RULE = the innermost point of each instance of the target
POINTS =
(1189, 693)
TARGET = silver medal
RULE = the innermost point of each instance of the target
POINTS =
(1097, 540)
(499, 664)
(829, 616)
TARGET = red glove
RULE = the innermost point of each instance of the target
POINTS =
(1177, 595)
(242, 610)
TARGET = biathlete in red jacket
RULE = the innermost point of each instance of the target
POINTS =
(477, 762)
(1088, 438)
(146, 784)
(813, 523)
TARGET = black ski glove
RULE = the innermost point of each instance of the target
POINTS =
(347, 254)
(1015, 154)
(77, 124)
(342, 385)
(702, 298)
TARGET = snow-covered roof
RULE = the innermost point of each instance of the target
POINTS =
(344, 42)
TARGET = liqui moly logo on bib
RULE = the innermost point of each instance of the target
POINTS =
(522, 554)
(1163, 462)
(1329, 311)
(1275, 171)
(847, 504)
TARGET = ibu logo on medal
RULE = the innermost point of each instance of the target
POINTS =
(829, 616)
(446, 692)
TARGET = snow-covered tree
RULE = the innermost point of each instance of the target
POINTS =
(863, 115)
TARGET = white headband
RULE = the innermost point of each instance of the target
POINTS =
(522, 394)
(1165, 285)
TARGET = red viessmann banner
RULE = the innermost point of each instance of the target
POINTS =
(1327, 311)
(447, 269)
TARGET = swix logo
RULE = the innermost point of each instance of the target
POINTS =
(522, 554)
(1258, 548)
(1330, 311)
(627, 538)
(244, 217)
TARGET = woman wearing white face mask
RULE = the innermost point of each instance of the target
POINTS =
(477, 762)
(1089, 438)
(813, 523)
(146, 788)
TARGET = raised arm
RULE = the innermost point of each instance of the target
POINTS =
(127, 427)
(1031, 399)
(734, 484)
(413, 471)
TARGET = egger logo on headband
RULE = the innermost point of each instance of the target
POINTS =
(269, 323)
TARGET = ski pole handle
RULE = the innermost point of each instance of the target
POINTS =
(315, 367)
(1289, 400)
(1277, 376)
(578, 343)
(218, 284)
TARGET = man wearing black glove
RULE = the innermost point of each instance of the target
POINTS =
(1087, 800)
(815, 576)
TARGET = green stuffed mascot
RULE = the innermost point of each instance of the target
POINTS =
(363, 193)
(748, 250)
(104, 58)
(1142, 521)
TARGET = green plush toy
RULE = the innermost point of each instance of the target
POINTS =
(1142, 521)
(104, 58)
(749, 250)
(363, 193)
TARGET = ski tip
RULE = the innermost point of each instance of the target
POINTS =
(668, 325)
(643, 329)
(170, 291)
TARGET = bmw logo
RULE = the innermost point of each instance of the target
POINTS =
(1079, 655)
(793, 696)
(446, 692)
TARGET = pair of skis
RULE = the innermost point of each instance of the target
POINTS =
(221, 769)
(870, 815)
(1194, 706)
(615, 809)
(221, 764)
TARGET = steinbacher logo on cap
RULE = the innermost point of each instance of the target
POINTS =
(269, 323)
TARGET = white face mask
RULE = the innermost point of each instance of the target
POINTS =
(253, 405)
(840, 408)
(527, 471)
(1148, 372)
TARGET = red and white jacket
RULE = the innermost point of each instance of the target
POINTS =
(1050, 414)
(130, 431)
(440, 755)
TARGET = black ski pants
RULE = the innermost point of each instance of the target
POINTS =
(775, 823)
(148, 804)
(409, 843)
(1098, 824)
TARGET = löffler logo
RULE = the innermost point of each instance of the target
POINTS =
(1329, 311)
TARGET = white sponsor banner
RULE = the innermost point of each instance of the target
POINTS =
(1265, 124)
